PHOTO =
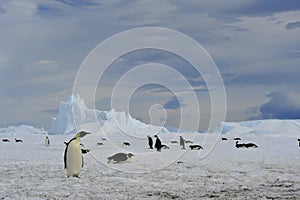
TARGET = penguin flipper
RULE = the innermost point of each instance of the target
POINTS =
(65, 157)
(66, 149)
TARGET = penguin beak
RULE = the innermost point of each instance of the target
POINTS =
(83, 133)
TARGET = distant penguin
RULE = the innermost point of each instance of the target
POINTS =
(150, 142)
(47, 141)
(120, 157)
(181, 142)
(18, 140)
(126, 144)
(85, 151)
(73, 159)
(250, 145)
(196, 147)
(5, 140)
(157, 145)
(237, 145)
(299, 142)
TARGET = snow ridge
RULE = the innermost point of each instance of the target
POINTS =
(270, 126)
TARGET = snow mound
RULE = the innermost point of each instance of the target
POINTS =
(271, 126)
(74, 114)
(17, 130)
(27, 134)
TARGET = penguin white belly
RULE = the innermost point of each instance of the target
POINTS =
(74, 159)
(47, 142)
(128, 160)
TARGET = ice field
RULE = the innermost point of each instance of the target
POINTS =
(30, 170)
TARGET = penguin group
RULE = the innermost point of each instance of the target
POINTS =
(158, 144)
(16, 140)
(73, 154)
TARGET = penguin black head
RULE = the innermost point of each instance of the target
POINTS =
(81, 134)
(130, 155)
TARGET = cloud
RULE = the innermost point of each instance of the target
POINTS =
(266, 78)
(282, 105)
(293, 25)
(19, 8)
(266, 7)
(44, 42)
(173, 104)
(77, 3)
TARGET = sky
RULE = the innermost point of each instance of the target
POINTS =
(255, 45)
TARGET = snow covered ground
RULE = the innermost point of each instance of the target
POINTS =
(29, 170)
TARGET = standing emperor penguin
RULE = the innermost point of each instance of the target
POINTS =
(73, 159)
(150, 142)
(158, 144)
(181, 142)
(47, 141)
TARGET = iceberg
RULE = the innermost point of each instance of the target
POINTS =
(73, 113)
